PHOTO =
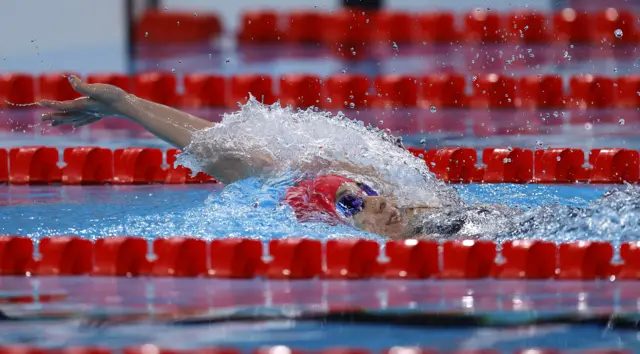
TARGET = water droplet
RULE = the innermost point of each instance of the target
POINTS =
(556, 114)
(588, 126)
(228, 60)
(395, 46)
(539, 143)
(423, 141)
(195, 14)
(328, 99)
(146, 34)
(381, 122)
(433, 164)
(618, 33)
(506, 160)
(352, 105)
(178, 22)
(621, 121)
(173, 70)
(558, 158)
(344, 71)
(166, 8)
(433, 109)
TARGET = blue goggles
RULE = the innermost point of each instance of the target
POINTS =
(350, 204)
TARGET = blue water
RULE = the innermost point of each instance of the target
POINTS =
(248, 208)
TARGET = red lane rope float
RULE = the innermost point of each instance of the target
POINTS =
(585, 93)
(516, 165)
(97, 166)
(300, 258)
(475, 26)
(172, 27)
(266, 26)
(93, 165)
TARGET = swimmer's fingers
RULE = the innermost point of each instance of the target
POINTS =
(60, 118)
(79, 104)
(87, 122)
(102, 92)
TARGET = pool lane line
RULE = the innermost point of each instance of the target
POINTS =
(130, 166)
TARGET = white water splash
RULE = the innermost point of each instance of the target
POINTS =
(311, 142)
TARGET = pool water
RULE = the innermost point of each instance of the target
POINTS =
(204, 313)
(245, 209)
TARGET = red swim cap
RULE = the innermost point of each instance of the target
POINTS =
(318, 196)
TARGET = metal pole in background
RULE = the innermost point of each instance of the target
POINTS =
(129, 22)
(153, 4)
(364, 4)
(132, 9)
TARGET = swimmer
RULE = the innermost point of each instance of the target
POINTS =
(329, 198)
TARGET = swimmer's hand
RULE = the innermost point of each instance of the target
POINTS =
(167, 123)
(101, 100)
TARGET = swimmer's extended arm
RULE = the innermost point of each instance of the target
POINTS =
(169, 124)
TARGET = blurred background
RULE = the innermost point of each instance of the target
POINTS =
(476, 73)
(53, 35)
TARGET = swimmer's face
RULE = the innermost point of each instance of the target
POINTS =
(379, 215)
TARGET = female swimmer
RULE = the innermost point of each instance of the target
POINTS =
(330, 198)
